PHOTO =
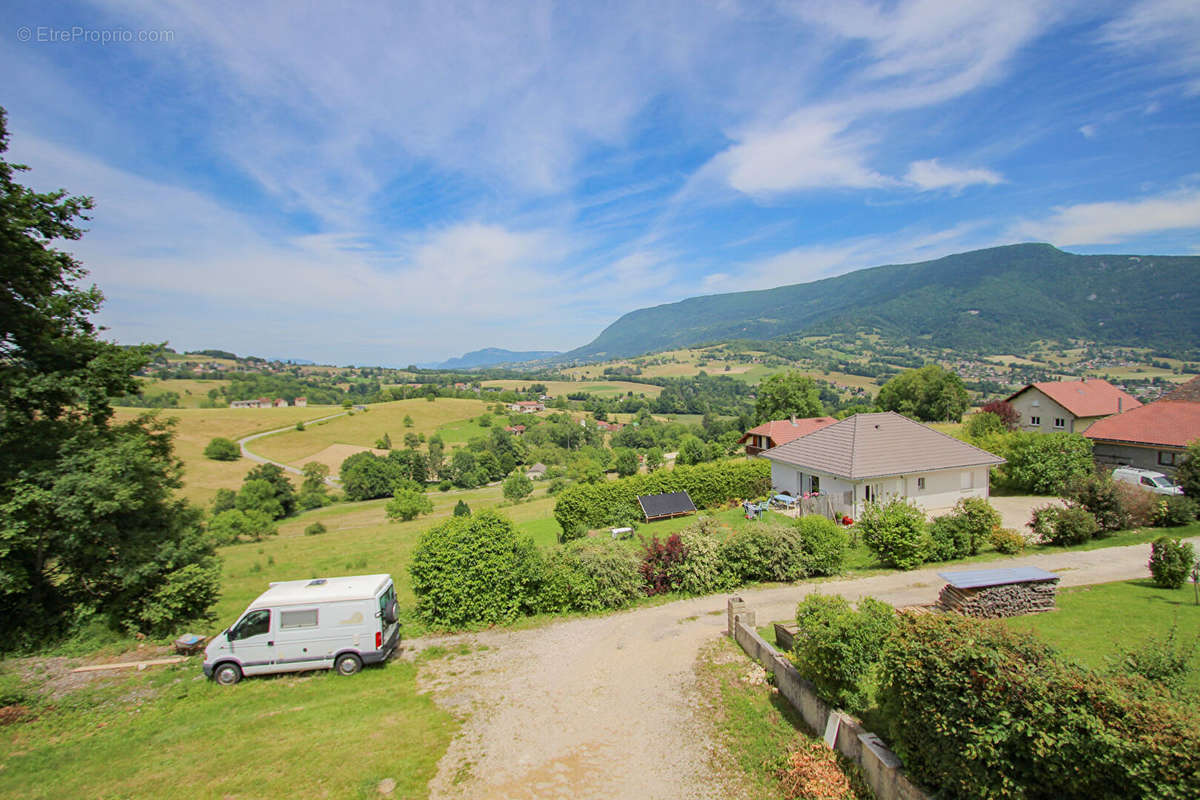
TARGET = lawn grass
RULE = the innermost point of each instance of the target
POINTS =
(463, 430)
(756, 726)
(191, 391)
(365, 428)
(1096, 624)
(196, 427)
(168, 730)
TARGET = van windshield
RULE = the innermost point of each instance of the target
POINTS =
(1163, 481)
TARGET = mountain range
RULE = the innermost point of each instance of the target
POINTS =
(490, 357)
(997, 300)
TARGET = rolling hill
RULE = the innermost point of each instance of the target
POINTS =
(987, 301)
(490, 357)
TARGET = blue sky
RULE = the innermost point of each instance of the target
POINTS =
(400, 182)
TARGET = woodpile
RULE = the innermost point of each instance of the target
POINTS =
(1003, 600)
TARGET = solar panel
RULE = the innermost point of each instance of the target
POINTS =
(975, 578)
(657, 506)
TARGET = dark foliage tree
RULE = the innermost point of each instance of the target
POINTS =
(930, 394)
(88, 518)
(788, 394)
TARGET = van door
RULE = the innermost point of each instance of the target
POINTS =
(251, 642)
(299, 643)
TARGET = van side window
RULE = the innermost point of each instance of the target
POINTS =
(306, 618)
(254, 623)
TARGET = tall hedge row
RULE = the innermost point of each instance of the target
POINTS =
(978, 711)
(595, 505)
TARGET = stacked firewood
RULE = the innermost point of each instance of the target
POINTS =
(1005, 600)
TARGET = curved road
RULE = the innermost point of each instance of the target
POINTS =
(246, 452)
(601, 707)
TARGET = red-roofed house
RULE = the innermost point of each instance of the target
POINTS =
(516, 430)
(1071, 406)
(1152, 436)
(781, 431)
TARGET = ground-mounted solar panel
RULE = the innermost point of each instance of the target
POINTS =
(662, 506)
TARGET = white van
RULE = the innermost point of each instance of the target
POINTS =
(1148, 479)
(315, 624)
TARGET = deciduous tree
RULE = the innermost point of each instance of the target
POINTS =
(787, 394)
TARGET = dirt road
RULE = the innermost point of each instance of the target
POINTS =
(600, 707)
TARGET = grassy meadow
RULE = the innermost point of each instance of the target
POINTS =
(196, 427)
(363, 428)
(600, 388)
(191, 392)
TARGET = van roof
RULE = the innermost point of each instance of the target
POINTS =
(322, 590)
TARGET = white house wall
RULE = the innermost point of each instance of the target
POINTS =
(943, 488)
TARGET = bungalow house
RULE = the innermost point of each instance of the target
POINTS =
(1071, 406)
(527, 406)
(515, 430)
(1154, 436)
(280, 402)
(301, 402)
(781, 431)
(243, 404)
(536, 472)
(264, 402)
(874, 457)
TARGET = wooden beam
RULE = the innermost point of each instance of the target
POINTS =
(157, 662)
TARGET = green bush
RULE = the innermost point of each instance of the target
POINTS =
(1176, 511)
(838, 647)
(517, 487)
(590, 575)
(234, 525)
(823, 543)
(315, 529)
(1043, 463)
(1073, 525)
(1140, 504)
(1042, 521)
(895, 532)
(1171, 561)
(701, 570)
(222, 449)
(591, 505)
(184, 596)
(445, 486)
(980, 520)
(1098, 494)
(408, 504)
(763, 552)
(556, 486)
(474, 570)
(461, 509)
(1008, 541)
(950, 538)
(977, 711)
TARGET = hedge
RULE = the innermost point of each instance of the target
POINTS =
(598, 504)
(977, 711)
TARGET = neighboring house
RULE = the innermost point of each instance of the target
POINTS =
(1154, 436)
(280, 402)
(527, 406)
(536, 472)
(515, 430)
(301, 402)
(874, 457)
(1071, 406)
(777, 432)
(243, 404)
(264, 402)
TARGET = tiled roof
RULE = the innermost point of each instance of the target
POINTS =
(1091, 397)
(877, 445)
(1171, 421)
(782, 431)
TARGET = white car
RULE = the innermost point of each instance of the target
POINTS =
(1148, 479)
(321, 623)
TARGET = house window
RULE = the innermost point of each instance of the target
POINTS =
(968, 479)
(1035, 420)
(298, 619)
(1036, 403)
(868, 495)
(1059, 422)
(1167, 458)
(814, 485)
(921, 484)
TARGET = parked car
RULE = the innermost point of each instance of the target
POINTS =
(341, 623)
(1148, 479)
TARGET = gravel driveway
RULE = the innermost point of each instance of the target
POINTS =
(600, 707)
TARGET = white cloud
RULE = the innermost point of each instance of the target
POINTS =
(1165, 30)
(1088, 131)
(1109, 223)
(932, 174)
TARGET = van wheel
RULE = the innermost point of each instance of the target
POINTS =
(347, 664)
(228, 674)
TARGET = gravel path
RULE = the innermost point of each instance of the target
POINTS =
(600, 707)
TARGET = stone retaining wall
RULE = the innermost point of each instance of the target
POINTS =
(880, 766)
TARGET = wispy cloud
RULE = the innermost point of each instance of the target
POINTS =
(932, 174)
(1113, 222)
(1164, 30)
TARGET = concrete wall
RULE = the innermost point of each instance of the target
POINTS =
(881, 767)
(1133, 456)
(1046, 409)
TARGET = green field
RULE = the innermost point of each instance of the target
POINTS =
(601, 388)
(1096, 624)
(191, 392)
(364, 428)
(168, 730)
(196, 427)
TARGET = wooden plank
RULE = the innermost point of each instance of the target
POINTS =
(157, 662)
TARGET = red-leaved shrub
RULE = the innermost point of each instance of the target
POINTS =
(659, 558)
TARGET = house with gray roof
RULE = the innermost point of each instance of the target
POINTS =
(875, 457)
